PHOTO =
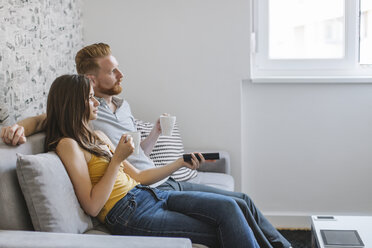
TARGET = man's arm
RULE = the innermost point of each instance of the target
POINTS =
(16, 133)
(150, 141)
(33, 124)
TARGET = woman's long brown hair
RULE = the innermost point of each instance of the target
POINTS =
(68, 115)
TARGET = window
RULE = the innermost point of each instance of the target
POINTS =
(311, 41)
(366, 32)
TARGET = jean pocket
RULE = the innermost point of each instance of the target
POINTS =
(154, 192)
(119, 207)
(126, 212)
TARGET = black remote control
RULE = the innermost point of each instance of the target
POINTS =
(207, 156)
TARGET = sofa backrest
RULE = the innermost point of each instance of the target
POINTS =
(13, 210)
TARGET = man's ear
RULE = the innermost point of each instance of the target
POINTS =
(92, 79)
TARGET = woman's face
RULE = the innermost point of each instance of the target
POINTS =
(93, 105)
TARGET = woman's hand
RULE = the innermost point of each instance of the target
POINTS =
(124, 148)
(194, 164)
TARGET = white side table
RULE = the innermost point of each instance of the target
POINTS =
(363, 224)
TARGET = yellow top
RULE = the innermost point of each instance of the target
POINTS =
(123, 184)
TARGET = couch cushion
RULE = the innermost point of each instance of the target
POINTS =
(166, 150)
(98, 228)
(26, 239)
(13, 209)
(49, 194)
(218, 180)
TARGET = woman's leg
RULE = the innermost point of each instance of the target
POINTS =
(141, 212)
(221, 211)
(204, 218)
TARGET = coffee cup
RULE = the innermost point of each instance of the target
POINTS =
(167, 123)
(136, 136)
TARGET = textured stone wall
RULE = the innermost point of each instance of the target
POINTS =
(38, 41)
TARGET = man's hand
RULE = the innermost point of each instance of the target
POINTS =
(148, 144)
(13, 135)
(157, 128)
(195, 163)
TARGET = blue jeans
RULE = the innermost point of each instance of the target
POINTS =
(266, 235)
(205, 218)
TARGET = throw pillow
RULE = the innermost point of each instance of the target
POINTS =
(166, 150)
(49, 194)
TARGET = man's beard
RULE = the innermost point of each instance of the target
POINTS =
(115, 90)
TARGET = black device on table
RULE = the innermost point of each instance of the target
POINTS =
(341, 238)
(206, 155)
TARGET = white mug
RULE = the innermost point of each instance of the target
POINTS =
(167, 123)
(136, 136)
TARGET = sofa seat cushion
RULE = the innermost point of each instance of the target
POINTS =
(49, 194)
(26, 239)
(218, 180)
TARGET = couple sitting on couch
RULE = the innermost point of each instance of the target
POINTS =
(207, 216)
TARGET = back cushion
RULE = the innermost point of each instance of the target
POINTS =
(14, 214)
(49, 194)
(167, 150)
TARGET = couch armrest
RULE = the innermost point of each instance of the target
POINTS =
(221, 166)
(31, 239)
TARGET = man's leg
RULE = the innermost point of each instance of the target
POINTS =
(170, 184)
(265, 233)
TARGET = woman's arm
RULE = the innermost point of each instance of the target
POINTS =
(153, 175)
(91, 198)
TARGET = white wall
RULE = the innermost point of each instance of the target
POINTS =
(308, 148)
(183, 57)
(301, 149)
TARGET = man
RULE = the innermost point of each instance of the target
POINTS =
(115, 118)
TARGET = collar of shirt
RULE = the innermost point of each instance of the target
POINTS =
(116, 100)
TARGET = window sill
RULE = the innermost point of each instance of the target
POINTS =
(297, 79)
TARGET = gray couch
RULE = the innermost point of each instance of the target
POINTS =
(17, 229)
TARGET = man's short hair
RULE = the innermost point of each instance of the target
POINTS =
(85, 59)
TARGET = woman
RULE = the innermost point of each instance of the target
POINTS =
(108, 187)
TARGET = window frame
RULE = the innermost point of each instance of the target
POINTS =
(343, 70)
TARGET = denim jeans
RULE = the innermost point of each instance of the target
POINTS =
(266, 235)
(205, 218)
